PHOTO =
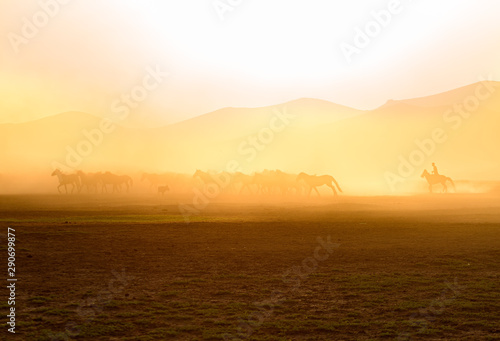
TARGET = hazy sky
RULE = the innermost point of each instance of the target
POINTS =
(84, 54)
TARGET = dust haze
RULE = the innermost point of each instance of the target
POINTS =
(378, 152)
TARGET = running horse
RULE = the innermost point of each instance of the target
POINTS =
(116, 181)
(223, 181)
(314, 181)
(67, 179)
(434, 179)
(88, 180)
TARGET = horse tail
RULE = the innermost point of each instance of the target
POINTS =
(336, 183)
(452, 183)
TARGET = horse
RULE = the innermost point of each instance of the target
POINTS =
(286, 183)
(245, 181)
(89, 180)
(314, 181)
(124, 180)
(205, 177)
(264, 182)
(116, 181)
(222, 180)
(434, 179)
(163, 189)
(67, 179)
(275, 182)
(106, 179)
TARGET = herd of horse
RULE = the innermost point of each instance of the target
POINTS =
(264, 183)
(267, 182)
(93, 182)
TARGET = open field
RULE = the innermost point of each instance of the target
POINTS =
(352, 268)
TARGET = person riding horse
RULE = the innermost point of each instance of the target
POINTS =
(436, 178)
(434, 169)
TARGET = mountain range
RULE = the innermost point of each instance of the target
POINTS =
(382, 149)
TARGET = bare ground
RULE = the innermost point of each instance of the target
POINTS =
(131, 268)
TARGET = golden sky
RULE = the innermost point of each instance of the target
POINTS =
(76, 55)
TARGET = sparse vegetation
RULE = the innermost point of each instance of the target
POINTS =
(206, 279)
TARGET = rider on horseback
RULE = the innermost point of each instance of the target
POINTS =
(434, 169)
(436, 178)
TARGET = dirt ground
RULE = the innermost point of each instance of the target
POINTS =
(352, 268)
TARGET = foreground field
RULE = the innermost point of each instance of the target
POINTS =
(131, 268)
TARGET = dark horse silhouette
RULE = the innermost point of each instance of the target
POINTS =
(67, 179)
(433, 179)
(314, 181)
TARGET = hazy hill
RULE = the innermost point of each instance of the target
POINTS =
(358, 147)
(449, 97)
(229, 123)
(367, 146)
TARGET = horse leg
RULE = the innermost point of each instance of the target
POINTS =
(445, 188)
(59, 188)
(316, 189)
(430, 188)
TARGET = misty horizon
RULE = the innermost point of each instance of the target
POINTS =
(361, 110)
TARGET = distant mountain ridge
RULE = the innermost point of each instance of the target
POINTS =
(306, 134)
(441, 99)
